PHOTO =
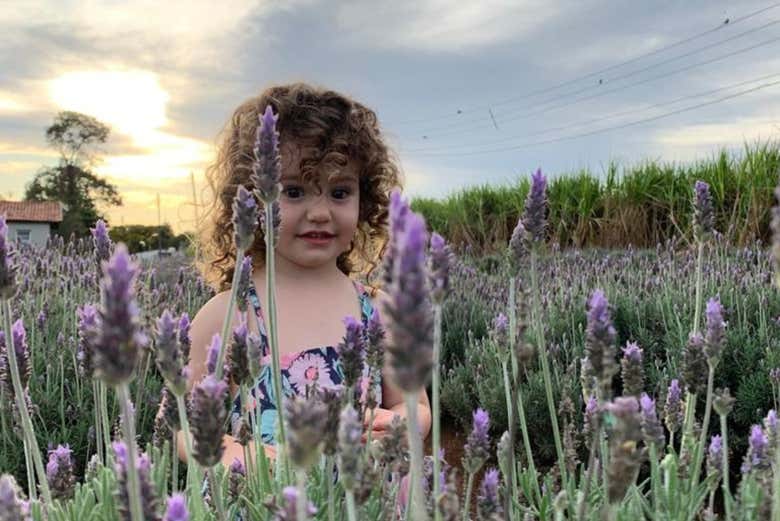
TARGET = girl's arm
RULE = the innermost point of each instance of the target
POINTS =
(392, 396)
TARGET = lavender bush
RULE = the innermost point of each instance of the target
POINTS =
(108, 338)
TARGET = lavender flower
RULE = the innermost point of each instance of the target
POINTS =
(488, 503)
(208, 420)
(168, 356)
(351, 351)
(59, 472)
(715, 457)
(254, 352)
(10, 504)
(332, 400)
(212, 354)
(625, 456)
(238, 359)
(652, 431)
(143, 466)
(756, 457)
(184, 337)
(409, 311)
(306, 418)
(500, 329)
(673, 410)
(600, 341)
(694, 364)
(245, 216)
(393, 447)
(176, 509)
(244, 282)
(477, 448)
(703, 213)
(101, 241)
(276, 213)
(534, 219)
(770, 429)
(774, 375)
(440, 260)
(285, 510)
(350, 432)
(19, 337)
(267, 169)
(715, 335)
(237, 479)
(166, 421)
(119, 340)
(399, 211)
(633, 373)
(375, 356)
(517, 243)
(590, 419)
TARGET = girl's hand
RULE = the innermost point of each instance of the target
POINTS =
(382, 420)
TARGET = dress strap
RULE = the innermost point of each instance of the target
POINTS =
(258, 308)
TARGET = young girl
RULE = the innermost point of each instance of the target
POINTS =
(336, 179)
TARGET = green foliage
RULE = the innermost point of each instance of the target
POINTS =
(140, 237)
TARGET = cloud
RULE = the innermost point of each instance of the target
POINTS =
(709, 136)
(442, 25)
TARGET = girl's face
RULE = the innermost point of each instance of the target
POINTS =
(319, 220)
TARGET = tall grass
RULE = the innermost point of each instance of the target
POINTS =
(640, 205)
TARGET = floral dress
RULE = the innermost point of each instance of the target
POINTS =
(318, 364)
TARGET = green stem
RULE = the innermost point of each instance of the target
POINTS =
(30, 470)
(699, 451)
(415, 449)
(98, 422)
(216, 489)
(435, 409)
(511, 479)
(654, 481)
(174, 463)
(103, 392)
(727, 499)
(331, 490)
(300, 503)
(24, 414)
(351, 511)
(128, 425)
(270, 280)
(467, 498)
(545, 367)
(185, 427)
(699, 262)
(229, 314)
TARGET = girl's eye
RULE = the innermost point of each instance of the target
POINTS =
(341, 193)
(293, 192)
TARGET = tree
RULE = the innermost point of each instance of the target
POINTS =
(77, 138)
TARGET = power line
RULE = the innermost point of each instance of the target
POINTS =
(596, 120)
(453, 129)
(483, 108)
(617, 89)
(608, 129)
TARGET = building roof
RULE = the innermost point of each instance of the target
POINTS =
(31, 211)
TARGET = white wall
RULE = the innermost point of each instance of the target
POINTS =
(39, 232)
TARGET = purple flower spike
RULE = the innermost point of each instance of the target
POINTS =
(600, 340)
(673, 410)
(286, 509)
(652, 431)
(267, 170)
(409, 311)
(19, 337)
(169, 361)
(350, 432)
(477, 448)
(245, 215)
(59, 472)
(715, 456)
(10, 505)
(632, 371)
(399, 211)
(517, 244)
(119, 339)
(244, 282)
(238, 360)
(176, 509)
(7, 268)
(488, 503)
(441, 259)
(534, 219)
(703, 212)
(184, 337)
(208, 420)
(351, 351)
(101, 241)
(147, 491)
(212, 355)
(756, 457)
(714, 338)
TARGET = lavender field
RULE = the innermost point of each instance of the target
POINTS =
(629, 384)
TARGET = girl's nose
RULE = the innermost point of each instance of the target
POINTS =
(318, 210)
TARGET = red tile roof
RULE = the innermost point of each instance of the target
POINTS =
(32, 211)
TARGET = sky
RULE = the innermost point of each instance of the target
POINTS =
(467, 93)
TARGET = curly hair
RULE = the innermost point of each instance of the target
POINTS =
(334, 129)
